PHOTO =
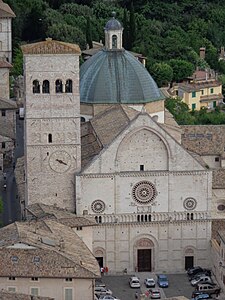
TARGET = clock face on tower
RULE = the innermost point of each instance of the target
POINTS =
(60, 161)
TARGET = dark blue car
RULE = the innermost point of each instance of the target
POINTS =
(162, 281)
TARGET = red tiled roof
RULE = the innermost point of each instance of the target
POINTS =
(6, 11)
(5, 64)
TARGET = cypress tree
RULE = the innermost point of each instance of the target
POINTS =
(132, 31)
(125, 30)
(88, 33)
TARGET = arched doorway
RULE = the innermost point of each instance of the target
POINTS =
(144, 251)
(99, 255)
(189, 258)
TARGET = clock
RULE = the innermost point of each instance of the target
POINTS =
(60, 161)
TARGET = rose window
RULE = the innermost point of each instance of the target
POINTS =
(98, 206)
(221, 207)
(144, 192)
(190, 203)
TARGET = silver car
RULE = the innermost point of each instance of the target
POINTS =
(99, 291)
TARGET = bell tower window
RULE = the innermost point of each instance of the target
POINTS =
(50, 138)
(69, 86)
(45, 87)
(36, 87)
(58, 86)
(114, 41)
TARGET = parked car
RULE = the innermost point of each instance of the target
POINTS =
(162, 281)
(204, 273)
(149, 282)
(154, 294)
(100, 290)
(208, 288)
(201, 279)
(107, 297)
(134, 282)
(201, 297)
(195, 270)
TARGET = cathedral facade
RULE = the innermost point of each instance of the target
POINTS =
(149, 197)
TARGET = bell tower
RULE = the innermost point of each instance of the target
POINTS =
(52, 122)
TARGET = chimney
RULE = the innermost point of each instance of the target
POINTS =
(202, 53)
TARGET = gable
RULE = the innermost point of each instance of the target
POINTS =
(143, 140)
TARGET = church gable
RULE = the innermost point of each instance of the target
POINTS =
(143, 146)
(152, 154)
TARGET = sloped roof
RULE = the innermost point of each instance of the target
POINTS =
(7, 104)
(6, 11)
(42, 211)
(191, 87)
(103, 128)
(50, 46)
(5, 295)
(44, 249)
(108, 124)
(204, 139)
(5, 64)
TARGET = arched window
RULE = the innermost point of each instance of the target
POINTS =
(50, 138)
(114, 41)
(36, 87)
(45, 87)
(58, 86)
(69, 86)
(82, 119)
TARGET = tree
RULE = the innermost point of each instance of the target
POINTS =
(67, 33)
(162, 73)
(132, 27)
(88, 33)
(180, 111)
(125, 30)
(181, 69)
(17, 62)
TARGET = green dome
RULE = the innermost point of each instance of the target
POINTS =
(116, 77)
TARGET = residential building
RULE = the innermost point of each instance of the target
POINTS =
(202, 89)
(46, 258)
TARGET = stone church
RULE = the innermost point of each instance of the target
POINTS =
(99, 143)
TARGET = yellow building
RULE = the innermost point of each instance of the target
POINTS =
(202, 89)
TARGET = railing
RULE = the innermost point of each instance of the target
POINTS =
(152, 217)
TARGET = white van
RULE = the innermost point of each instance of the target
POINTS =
(134, 282)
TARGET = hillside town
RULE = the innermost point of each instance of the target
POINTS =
(99, 183)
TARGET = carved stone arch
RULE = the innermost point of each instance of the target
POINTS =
(100, 255)
(153, 147)
(145, 243)
(189, 256)
(189, 250)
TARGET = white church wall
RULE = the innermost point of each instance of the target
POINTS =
(168, 252)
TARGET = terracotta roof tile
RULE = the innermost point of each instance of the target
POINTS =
(50, 46)
(58, 250)
(5, 64)
(6, 11)
(5, 295)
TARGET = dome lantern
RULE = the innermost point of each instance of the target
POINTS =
(113, 34)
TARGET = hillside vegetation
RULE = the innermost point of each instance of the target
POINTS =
(169, 33)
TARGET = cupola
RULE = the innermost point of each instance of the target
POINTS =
(113, 34)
